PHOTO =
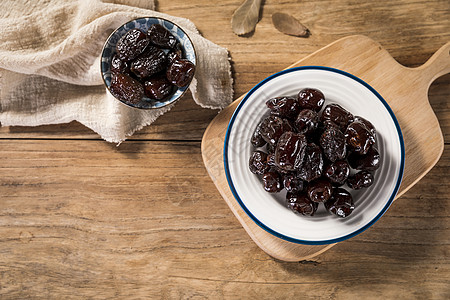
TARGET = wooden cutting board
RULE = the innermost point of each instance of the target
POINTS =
(406, 91)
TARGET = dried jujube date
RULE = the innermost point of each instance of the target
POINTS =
(340, 203)
(160, 36)
(311, 99)
(333, 144)
(258, 163)
(125, 88)
(289, 150)
(119, 65)
(359, 137)
(337, 172)
(292, 183)
(319, 190)
(366, 123)
(337, 114)
(272, 128)
(256, 139)
(284, 107)
(131, 44)
(368, 162)
(181, 72)
(310, 167)
(152, 61)
(272, 181)
(362, 179)
(307, 121)
(158, 88)
(299, 202)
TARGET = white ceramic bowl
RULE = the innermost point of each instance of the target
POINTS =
(269, 210)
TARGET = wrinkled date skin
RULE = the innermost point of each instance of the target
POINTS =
(359, 137)
(158, 88)
(337, 172)
(333, 144)
(362, 179)
(340, 203)
(311, 166)
(290, 150)
(307, 121)
(152, 61)
(160, 36)
(366, 123)
(284, 107)
(181, 72)
(118, 65)
(366, 162)
(273, 183)
(299, 203)
(338, 115)
(258, 163)
(292, 183)
(257, 140)
(131, 44)
(272, 128)
(319, 190)
(125, 88)
(311, 98)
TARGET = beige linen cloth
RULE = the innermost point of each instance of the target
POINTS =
(50, 65)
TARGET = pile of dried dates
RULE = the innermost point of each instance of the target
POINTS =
(149, 64)
(312, 153)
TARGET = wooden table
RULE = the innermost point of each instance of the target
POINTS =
(82, 218)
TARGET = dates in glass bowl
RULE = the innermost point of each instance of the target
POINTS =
(146, 65)
(313, 150)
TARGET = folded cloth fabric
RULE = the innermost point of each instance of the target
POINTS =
(50, 65)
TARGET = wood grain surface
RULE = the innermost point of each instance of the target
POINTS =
(84, 219)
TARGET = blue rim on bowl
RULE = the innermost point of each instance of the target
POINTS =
(144, 23)
(232, 185)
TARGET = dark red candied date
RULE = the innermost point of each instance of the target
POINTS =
(271, 159)
(272, 181)
(367, 162)
(366, 123)
(258, 163)
(152, 61)
(311, 99)
(307, 121)
(272, 128)
(157, 88)
(126, 89)
(337, 172)
(256, 139)
(362, 179)
(289, 150)
(292, 183)
(131, 44)
(340, 203)
(359, 137)
(180, 72)
(118, 65)
(311, 166)
(338, 115)
(319, 190)
(333, 144)
(284, 107)
(160, 36)
(299, 203)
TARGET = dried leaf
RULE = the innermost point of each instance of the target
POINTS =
(287, 24)
(245, 17)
